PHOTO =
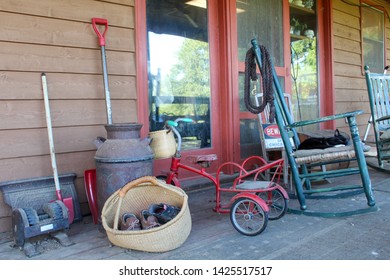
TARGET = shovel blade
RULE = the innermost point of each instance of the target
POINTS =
(90, 189)
(68, 201)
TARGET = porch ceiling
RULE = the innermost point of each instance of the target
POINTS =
(171, 17)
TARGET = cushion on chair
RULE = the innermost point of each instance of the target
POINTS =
(318, 155)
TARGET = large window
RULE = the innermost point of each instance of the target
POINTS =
(179, 68)
(373, 38)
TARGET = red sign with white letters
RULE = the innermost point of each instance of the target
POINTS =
(272, 137)
(272, 131)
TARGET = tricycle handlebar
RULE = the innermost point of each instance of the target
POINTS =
(176, 122)
(172, 125)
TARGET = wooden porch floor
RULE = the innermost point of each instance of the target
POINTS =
(293, 237)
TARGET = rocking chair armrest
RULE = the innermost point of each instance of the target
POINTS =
(325, 119)
(384, 118)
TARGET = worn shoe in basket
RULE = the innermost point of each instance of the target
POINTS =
(148, 221)
(130, 221)
(163, 212)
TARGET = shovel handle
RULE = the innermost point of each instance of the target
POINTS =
(102, 37)
(50, 136)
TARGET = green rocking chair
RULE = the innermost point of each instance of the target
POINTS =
(378, 86)
(303, 162)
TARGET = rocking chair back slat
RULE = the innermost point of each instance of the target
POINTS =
(378, 87)
(380, 96)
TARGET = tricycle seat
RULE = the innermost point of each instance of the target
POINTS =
(203, 160)
(254, 185)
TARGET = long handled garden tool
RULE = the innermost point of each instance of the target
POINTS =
(102, 43)
(90, 175)
(68, 201)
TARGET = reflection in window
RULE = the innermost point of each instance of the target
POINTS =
(304, 77)
(304, 62)
(179, 68)
(249, 128)
(373, 38)
(263, 20)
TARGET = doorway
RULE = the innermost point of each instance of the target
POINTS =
(263, 20)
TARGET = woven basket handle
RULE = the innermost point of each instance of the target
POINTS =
(126, 188)
(134, 183)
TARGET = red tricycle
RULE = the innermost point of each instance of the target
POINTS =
(253, 201)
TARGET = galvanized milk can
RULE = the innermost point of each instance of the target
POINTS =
(121, 158)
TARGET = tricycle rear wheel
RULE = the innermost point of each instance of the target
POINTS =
(276, 202)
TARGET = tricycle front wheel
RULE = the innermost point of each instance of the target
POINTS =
(248, 217)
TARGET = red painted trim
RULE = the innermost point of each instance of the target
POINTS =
(215, 83)
(231, 149)
(325, 60)
(286, 47)
(141, 66)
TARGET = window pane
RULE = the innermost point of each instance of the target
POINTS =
(179, 68)
(241, 79)
(373, 38)
(249, 138)
(250, 143)
(263, 20)
(304, 61)
(304, 76)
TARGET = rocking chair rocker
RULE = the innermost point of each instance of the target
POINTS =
(302, 162)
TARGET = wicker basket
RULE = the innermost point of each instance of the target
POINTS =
(163, 143)
(136, 196)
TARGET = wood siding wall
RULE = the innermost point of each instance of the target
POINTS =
(349, 82)
(56, 37)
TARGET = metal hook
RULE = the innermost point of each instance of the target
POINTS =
(254, 89)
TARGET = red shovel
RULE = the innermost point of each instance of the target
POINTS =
(68, 201)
